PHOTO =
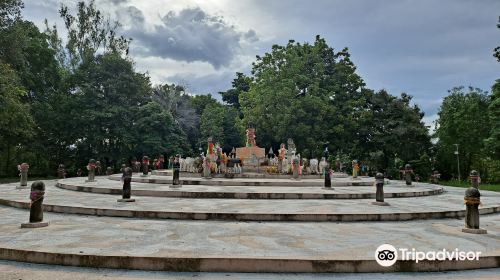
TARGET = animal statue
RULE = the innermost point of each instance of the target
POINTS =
(305, 166)
(189, 163)
(285, 166)
(182, 162)
(314, 166)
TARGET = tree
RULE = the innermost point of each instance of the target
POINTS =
(16, 122)
(10, 12)
(305, 92)
(155, 132)
(492, 143)
(211, 124)
(240, 84)
(462, 118)
(496, 51)
(90, 32)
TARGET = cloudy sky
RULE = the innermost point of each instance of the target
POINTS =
(420, 47)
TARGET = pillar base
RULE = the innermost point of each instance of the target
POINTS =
(90, 181)
(329, 189)
(144, 175)
(475, 230)
(34, 225)
(125, 200)
(356, 178)
(21, 187)
(380, 203)
(175, 186)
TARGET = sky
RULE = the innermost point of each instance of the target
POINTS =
(423, 48)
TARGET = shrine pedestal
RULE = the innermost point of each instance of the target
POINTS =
(251, 157)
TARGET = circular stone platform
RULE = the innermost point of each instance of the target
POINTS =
(168, 172)
(104, 186)
(447, 205)
(289, 182)
(239, 246)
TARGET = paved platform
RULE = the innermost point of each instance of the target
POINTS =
(10, 270)
(447, 205)
(168, 172)
(105, 186)
(238, 246)
(159, 179)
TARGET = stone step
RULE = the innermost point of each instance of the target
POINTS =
(105, 186)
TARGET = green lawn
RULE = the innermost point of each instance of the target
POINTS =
(466, 184)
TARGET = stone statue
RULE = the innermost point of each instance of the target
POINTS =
(435, 177)
(98, 168)
(136, 166)
(145, 166)
(206, 168)
(79, 172)
(176, 171)
(109, 170)
(36, 206)
(23, 172)
(127, 188)
(408, 171)
(291, 148)
(91, 168)
(61, 171)
(295, 167)
(355, 169)
(472, 200)
(250, 135)
(474, 179)
(379, 195)
(162, 162)
(270, 154)
(281, 156)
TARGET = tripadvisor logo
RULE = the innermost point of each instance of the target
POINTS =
(387, 255)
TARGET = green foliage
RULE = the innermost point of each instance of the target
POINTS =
(89, 32)
(10, 11)
(492, 143)
(312, 94)
(240, 84)
(463, 119)
(15, 120)
(496, 51)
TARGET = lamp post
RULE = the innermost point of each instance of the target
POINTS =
(458, 161)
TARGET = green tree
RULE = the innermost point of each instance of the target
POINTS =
(10, 12)
(496, 51)
(240, 84)
(89, 32)
(155, 132)
(16, 122)
(305, 92)
(462, 118)
(492, 143)
(212, 124)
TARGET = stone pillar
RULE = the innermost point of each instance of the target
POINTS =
(176, 183)
(61, 172)
(91, 168)
(145, 166)
(36, 206)
(474, 179)
(23, 172)
(472, 200)
(127, 188)
(328, 179)
(407, 172)
(295, 165)
(379, 195)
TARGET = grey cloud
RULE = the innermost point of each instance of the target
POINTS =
(190, 35)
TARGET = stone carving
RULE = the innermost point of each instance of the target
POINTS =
(61, 171)
(176, 171)
(23, 172)
(472, 200)
(36, 206)
(91, 169)
(127, 188)
(379, 195)
(145, 166)
(408, 171)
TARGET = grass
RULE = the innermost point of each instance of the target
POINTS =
(466, 184)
